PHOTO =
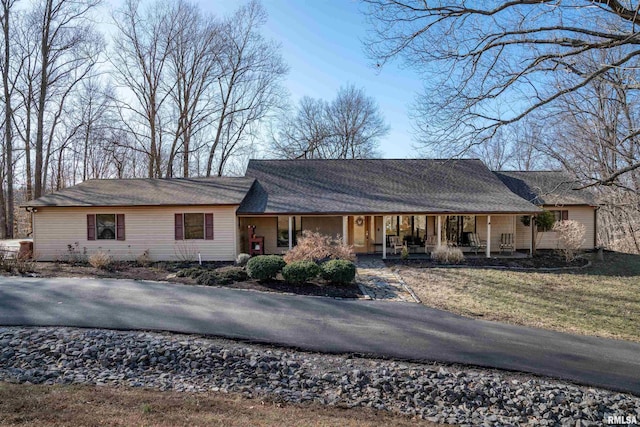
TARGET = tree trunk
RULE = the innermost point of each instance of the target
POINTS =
(8, 123)
(27, 153)
(42, 99)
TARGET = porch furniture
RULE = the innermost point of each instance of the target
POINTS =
(395, 243)
(256, 245)
(430, 244)
(475, 242)
(507, 242)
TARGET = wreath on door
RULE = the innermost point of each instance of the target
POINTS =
(359, 221)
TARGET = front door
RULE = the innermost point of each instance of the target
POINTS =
(360, 233)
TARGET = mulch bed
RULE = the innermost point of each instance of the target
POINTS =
(120, 270)
(542, 260)
(314, 288)
(165, 272)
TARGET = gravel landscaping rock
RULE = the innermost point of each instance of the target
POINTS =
(439, 393)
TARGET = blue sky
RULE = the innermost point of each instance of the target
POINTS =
(322, 44)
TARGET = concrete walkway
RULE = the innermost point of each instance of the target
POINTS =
(378, 282)
(398, 330)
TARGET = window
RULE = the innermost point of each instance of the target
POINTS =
(406, 230)
(457, 228)
(420, 225)
(194, 226)
(469, 224)
(105, 227)
(283, 230)
(411, 228)
(560, 215)
(391, 225)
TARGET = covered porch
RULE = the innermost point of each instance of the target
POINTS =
(474, 234)
(387, 234)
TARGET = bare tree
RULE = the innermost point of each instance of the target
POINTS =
(528, 137)
(497, 153)
(141, 51)
(197, 84)
(7, 85)
(27, 48)
(593, 132)
(348, 127)
(488, 65)
(69, 50)
(303, 134)
(356, 123)
(194, 68)
(517, 147)
(249, 86)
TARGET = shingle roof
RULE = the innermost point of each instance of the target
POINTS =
(546, 187)
(378, 186)
(150, 192)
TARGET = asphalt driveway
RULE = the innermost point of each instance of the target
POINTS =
(386, 329)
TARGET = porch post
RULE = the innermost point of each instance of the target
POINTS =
(515, 237)
(439, 230)
(371, 241)
(345, 223)
(531, 224)
(384, 237)
(290, 232)
(488, 236)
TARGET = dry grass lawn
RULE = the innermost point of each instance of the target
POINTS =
(601, 300)
(107, 406)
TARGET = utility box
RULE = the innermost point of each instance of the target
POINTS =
(256, 245)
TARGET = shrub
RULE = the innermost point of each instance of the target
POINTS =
(446, 255)
(74, 255)
(192, 272)
(100, 260)
(23, 266)
(242, 259)
(5, 262)
(264, 267)
(144, 259)
(404, 253)
(186, 252)
(545, 221)
(314, 246)
(222, 276)
(339, 271)
(299, 272)
(570, 237)
(207, 278)
(228, 275)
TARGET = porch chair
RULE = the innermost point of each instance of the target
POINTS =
(395, 243)
(475, 243)
(507, 242)
(430, 243)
